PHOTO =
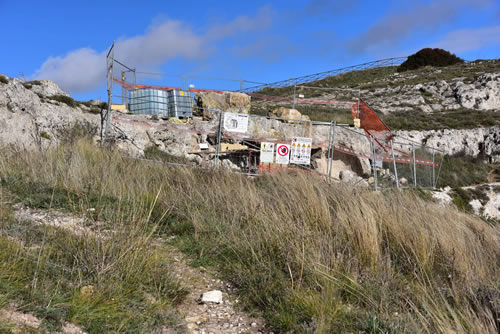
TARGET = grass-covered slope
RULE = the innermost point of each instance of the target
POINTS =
(312, 256)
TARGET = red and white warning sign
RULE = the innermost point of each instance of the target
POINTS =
(301, 151)
(282, 154)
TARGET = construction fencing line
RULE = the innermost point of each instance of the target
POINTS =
(316, 143)
(322, 75)
(287, 99)
(259, 96)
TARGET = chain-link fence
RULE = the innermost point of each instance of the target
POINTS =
(257, 145)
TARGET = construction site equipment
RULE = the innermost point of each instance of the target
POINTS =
(180, 104)
(149, 102)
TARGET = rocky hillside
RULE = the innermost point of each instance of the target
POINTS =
(457, 106)
(461, 96)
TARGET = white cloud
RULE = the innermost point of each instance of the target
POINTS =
(395, 27)
(78, 71)
(84, 70)
(464, 40)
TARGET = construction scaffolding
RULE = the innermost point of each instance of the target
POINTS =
(259, 144)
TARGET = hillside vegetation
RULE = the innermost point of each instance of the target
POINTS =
(311, 256)
(386, 85)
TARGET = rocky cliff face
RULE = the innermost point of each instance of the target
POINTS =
(32, 117)
(482, 142)
(482, 93)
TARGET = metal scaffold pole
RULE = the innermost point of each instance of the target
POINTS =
(124, 89)
(394, 163)
(332, 147)
(109, 73)
(374, 162)
(439, 170)
(433, 168)
(414, 166)
(218, 139)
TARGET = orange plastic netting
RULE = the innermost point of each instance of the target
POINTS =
(373, 125)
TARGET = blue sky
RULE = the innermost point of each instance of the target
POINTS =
(261, 41)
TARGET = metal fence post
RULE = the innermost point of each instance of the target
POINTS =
(394, 162)
(433, 169)
(374, 162)
(331, 149)
(110, 70)
(439, 170)
(135, 79)
(414, 166)
(294, 96)
(242, 83)
(218, 139)
(184, 82)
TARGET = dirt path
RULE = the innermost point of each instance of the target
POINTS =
(207, 318)
(204, 318)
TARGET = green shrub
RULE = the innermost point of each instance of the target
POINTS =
(64, 99)
(462, 199)
(94, 108)
(3, 79)
(30, 84)
(45, 134)
(429, 57)
(461, 170)
(80, 130)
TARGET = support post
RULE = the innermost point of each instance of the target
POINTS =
(332, 148)
(329, 150)
(184, 82)
(124, 89)
(242, 84)
(135, 79)
(294, 95)
(414, 166)
(374, 162)
(218, 139)
(110, 60)
(358, 112)
(394, 163)
(433, 168)
(439, 170)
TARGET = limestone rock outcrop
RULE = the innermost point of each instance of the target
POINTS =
(480, 142)
(289, 114)
(227, 101)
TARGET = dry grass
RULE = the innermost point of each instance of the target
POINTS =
(312, 256)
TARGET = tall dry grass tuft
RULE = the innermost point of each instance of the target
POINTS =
(313, 256)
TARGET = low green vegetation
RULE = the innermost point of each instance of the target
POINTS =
(459, 119)
(310, 255)
(461, 171)
(95, 108)
(112, 279)
(30, 84)
(68, 100)
(3, 79)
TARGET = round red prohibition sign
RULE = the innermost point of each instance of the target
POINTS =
(283, 150)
